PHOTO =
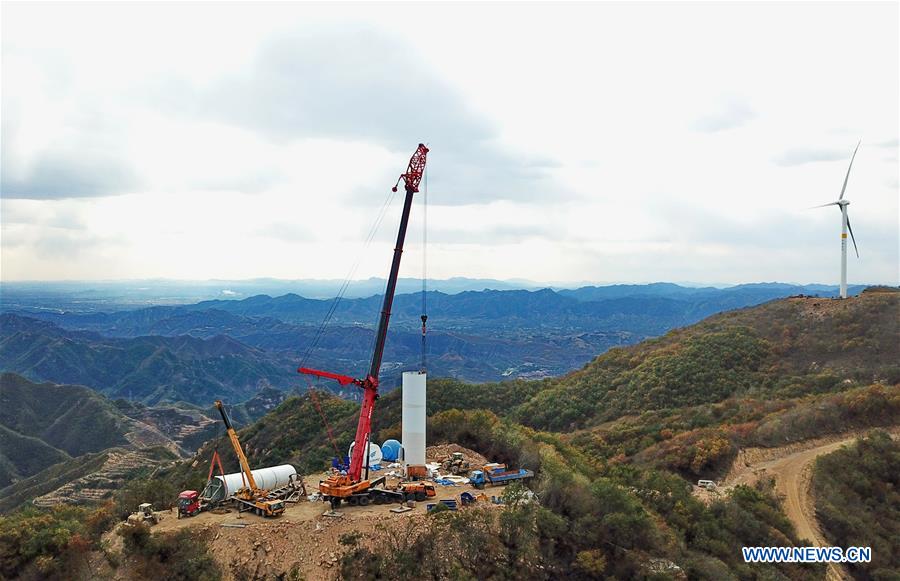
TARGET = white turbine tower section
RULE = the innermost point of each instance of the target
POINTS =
(413, 427)
(842, 204)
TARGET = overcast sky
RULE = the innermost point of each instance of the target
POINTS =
(580, 142)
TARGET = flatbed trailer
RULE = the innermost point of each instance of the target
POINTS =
(495, 474)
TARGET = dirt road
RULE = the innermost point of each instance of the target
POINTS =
(791, 468)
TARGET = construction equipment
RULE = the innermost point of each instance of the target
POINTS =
(497, 474)
(455, 464)
(144, 515)
(418, 490)
(351, 486)
(250, 496)
(189, 503)
(449, 504)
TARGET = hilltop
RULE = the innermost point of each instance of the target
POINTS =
(762, 375)
(614, 446)
(781, 349)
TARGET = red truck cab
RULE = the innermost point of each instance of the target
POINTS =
(188, 503)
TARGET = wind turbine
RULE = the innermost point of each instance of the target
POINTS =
(842, 204)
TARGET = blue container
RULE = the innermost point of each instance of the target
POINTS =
(390, 450)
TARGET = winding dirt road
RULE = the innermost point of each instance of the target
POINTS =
(791, 468)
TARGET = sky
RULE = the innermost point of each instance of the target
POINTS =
(605, 142)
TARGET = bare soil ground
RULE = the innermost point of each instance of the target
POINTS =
(441, 452)
(303, 539)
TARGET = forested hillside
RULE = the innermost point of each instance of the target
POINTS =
(857, 492)
(615, 445)
(782, 349)
(44, 424)
(231, 348)
(149, 369)
(766, 375)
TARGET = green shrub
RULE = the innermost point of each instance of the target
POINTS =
(181, 556)
(857, 491)
(50, 543)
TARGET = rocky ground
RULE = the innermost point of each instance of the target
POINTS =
(441, 452)
(305, 539)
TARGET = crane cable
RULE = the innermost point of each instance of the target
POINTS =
(318, 406)
(424, 316)
(320, 332)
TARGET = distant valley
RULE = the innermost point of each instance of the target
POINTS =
(623, 435)
(233, 348)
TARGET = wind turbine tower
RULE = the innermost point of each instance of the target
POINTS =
(842, 204)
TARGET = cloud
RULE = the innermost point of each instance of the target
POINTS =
(772, 230)
(53, 150)
(66, 173)
(890, 143)
(731, 113)
(286, 231)
(506, 234)
(354, 84)
(61, 245)
(358, 84)
(802, 155)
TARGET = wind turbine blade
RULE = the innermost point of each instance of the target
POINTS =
(822, 206)
(851, 237)
(843, 189)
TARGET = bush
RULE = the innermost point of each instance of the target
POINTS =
(50, 543)
(857, 492)
(180, 556)
(161, 493)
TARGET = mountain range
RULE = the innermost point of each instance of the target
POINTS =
(51, 432)
(614, 443)
(233, 348)
(792, 358)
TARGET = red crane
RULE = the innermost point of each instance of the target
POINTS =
(343, 486)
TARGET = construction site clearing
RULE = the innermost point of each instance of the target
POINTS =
(266, 521)
(306, 536)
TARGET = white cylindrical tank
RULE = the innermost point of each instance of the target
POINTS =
(375, 455)
(413, 428)
(222, 487)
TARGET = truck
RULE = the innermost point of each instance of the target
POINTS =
(189, 503)
(497, 474)
(418, 490)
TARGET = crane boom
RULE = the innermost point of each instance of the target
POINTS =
(411, 178)
(236, 444)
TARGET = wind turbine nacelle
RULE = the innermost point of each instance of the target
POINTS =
(843, 202)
